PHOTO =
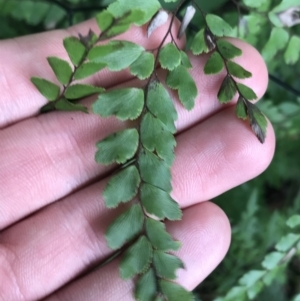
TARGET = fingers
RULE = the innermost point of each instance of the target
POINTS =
(67, 238)
(205, 235)
(217, 155)
(57, 149)
(25, 57)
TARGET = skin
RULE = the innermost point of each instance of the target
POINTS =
(52, 215)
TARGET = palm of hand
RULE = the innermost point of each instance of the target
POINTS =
(53, 218)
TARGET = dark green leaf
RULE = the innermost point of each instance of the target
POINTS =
(237, 71)
(75, 49)
(154, 170)
(111, 53)
(169, 57)
(185, 61)
(118, 147)
(143, 66)
(149, 7)
(65, 105)
(198, 45)
(125, 227)
(146, 287)
(155, 137)
(87, 69)
(166, 265)
(61, 69)
(122, 187)
(241, 108)
(258, 122)
(124, 23)
(136, 258)
(124, 103)
(218, 26)
(159, 237)
(246, 92)
(181, 80)
(227, 90)
(104, 20)
(46, 88)
(158, 202)
(79, 91)
(161, 105)
(227, 50)
(214, 64)
(175, 292)
(50, 106)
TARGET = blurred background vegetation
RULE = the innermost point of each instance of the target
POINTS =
(259, 209)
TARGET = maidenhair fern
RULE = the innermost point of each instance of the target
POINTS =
(145, 151)
(253, 282)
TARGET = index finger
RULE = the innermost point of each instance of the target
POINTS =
(24, 57)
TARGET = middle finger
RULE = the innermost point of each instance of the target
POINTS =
(67, 238)
(57, 149)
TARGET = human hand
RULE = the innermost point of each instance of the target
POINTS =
(52, 216)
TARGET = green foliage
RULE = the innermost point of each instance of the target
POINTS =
(46, 88)
(199, 45)
(143, 66)
(118, 147)
(155, 171)
(169, 57)
(241, 108)
(124, 103)
(253, 282)
(136, 259)
(227, 90)
(77, 91)
(125, 227)
(146, 286)
(160, 239)
(158, 202)
(238, 71)
(214, 64)
(180, 79)
(110, 53)
(122, 187)
(75, 49)
(63, 104)
(61, 69)
(160, 104)
(292, 53)
(246, 92)
(156, 137)
(278, 41)
(227, 50)
(174, 292)
(218, 26)
(166, 264)
(87, 69)
(150, 7)
(147, 151)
